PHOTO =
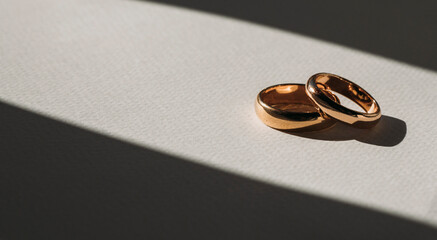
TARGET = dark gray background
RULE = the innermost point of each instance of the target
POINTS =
(402, 30)
(58, 181)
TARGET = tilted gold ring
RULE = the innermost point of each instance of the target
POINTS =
(319, 87)
(287, 107)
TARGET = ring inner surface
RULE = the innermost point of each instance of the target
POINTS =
(289, 98)
(347, 89)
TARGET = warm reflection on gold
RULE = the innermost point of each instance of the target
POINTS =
(318, 89)
(288, 107)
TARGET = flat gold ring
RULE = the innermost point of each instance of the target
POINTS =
(319, 87)
(287, 107)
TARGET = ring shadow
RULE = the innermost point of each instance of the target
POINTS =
(389, 132)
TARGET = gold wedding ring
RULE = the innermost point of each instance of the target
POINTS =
(288, 107)
(314, 106)
(319, 87)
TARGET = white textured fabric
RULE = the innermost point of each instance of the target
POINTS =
(184, 82)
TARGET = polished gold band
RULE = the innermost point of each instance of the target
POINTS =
(319, 87)
(288, 107)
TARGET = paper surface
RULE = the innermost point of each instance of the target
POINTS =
(184, 82)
